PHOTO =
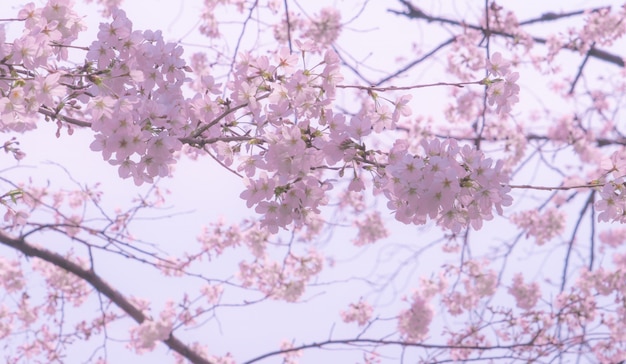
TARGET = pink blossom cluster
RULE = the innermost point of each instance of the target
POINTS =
(278, 111)
(217, 237)
(502, 91)
(290, 356)
(613, 237)
(14, 217)
(226, 359)
(323, 28)
(145, 336)
(455, 185)
(48, 32)
(478, 283)
(11, 146)
(466, 56)
(413, 323)
(612, 203)
(65, 284)
(566, 131)
(37, 322)
(526, 295)
(282, 182)
(370, 229)
(583, 304)
(462, 342)
(281, 280)
(602, 27)
(68, 206)
(360, 312)
(130, 84)
(543, 227)
(11, 275)
(509, 23)
(212, 293)
(209, 26)
(137, 107)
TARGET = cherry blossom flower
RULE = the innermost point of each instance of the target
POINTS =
(371, 229)
(543, 227)
(326, 27)
(526, 295)
(497, 65)
(413, 323)
(360, 312)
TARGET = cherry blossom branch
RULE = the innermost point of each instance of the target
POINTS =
(55, 115)
(89, 276)
(377, 342)
(404, 88)
(559, 188)
(202, 142)
(600, 142)
(414, 13)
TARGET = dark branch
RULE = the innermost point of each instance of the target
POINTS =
(580, 72)
(571, 242)
(54, 115)
(416, 62)
(89, 276)
(378, 342)
(412, 12)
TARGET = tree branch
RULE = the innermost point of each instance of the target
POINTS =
(89, 276)
(412, 12)
(571, 242)
(379, 342)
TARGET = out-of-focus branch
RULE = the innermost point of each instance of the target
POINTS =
(416, 62)
(405, 88)
(570, 246)
(89, 276)
(599, 142)
(579, 73)
(380, 342)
